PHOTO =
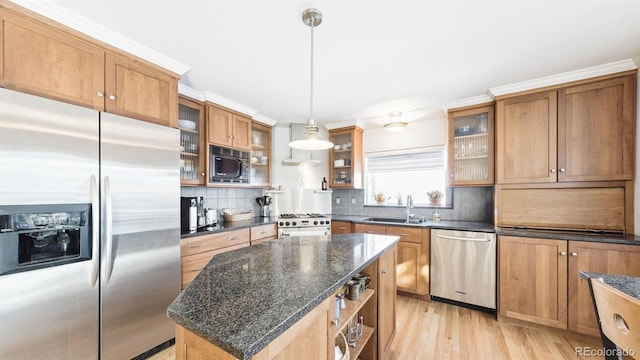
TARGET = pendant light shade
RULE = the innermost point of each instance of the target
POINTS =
(395, 124)
(312, 139)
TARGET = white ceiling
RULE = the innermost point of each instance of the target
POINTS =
(372, 57)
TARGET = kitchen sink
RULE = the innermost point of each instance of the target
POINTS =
(394, 220)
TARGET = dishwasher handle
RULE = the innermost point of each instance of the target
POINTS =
(463, 238)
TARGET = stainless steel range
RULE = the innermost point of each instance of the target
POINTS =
(303, 224)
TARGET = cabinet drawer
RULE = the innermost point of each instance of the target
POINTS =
(370, 229)
(340, 227)
(263, 231)
(192, 264)
(407, 234)
(204, 243)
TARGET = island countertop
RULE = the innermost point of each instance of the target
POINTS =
(243, 299)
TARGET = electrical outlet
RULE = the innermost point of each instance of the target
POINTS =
(353, 201)
(337, 200)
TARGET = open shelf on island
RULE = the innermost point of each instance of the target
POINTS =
(353, 306)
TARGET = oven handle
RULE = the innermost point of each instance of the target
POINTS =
(305, 233)
(108, 233)
(95, 234)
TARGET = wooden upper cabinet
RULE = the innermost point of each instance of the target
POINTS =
(44, 58)
(471, 141)
(228, 129)
(596, 123)
(137, 90)
(526, 138)
(345, 158)
(583, 132)
(193, 147)
(48, 62)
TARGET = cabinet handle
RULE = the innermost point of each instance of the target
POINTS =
(233, 238)
(563, 253)
(552, 171)
(574, 254)
(263, 232)
(342, 228)
(196, 269)
(384, 271)
(100, 93)
(401, 234)
(196, 245)
(112, 97)
(371, 231)
(561, 169)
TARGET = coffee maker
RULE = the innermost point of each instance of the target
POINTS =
(189, 214)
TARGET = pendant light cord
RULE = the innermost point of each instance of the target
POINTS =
(313, 22)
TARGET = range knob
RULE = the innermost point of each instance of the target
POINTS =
(294, 223)
(315, 222)
(281, 223)
(321, 222)
(328, 222)
(287, 223)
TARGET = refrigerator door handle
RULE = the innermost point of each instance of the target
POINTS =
(108, 236)
(95, 227)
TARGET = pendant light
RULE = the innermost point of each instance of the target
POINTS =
(394, 124)
(312, 139)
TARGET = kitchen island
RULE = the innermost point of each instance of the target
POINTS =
(277, 297)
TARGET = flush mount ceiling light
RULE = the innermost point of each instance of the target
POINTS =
(394, 123)
(312, 139)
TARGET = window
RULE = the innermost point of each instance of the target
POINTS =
(393, 177)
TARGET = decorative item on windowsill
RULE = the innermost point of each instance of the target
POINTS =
(399, 198)
(435, 199)
(380, 197)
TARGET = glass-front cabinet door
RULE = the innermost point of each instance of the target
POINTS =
(260, 155)
(345, 158)
(192, 147)
(471, 142)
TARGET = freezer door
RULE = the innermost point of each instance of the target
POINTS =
(48, 155)
(140, 273)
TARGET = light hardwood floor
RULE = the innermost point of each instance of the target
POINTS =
(434, 330)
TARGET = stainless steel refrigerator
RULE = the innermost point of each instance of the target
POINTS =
(113, 304)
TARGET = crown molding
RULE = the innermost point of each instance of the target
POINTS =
(345, 123)
(581, 74)
(264, 119)
(191, 92)
(474, 100)
(230, 104)
(68, 18)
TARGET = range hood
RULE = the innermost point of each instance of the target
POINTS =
(298, 157)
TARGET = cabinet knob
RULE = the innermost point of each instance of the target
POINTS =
(100, 93)
(452, 175)
(552, 171)
(574, 254)
(561, 169)
(201, 174)
(112, 97)
(563, 253)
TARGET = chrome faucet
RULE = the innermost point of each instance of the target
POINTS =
(409, 207)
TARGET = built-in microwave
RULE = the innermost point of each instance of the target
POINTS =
(229, 165)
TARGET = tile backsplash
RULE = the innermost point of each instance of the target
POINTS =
(469, 204)
(234, 199)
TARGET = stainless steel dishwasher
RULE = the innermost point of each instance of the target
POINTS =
(463, 267)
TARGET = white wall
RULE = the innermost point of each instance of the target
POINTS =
(417, 134)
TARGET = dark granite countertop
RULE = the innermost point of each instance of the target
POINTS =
(243, 299)
(442, 224)
(629, 285)
(601, 237)
(227, 226)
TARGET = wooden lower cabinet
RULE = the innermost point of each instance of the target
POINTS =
(540, 282)
(263, 233)
(413, 255)
(595, 257)
(386, 301)
(413, 259)
(341, 227)
(198, 250)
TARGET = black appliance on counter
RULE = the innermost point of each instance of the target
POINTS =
(189, 214)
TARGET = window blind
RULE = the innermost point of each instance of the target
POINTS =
(430, 160)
